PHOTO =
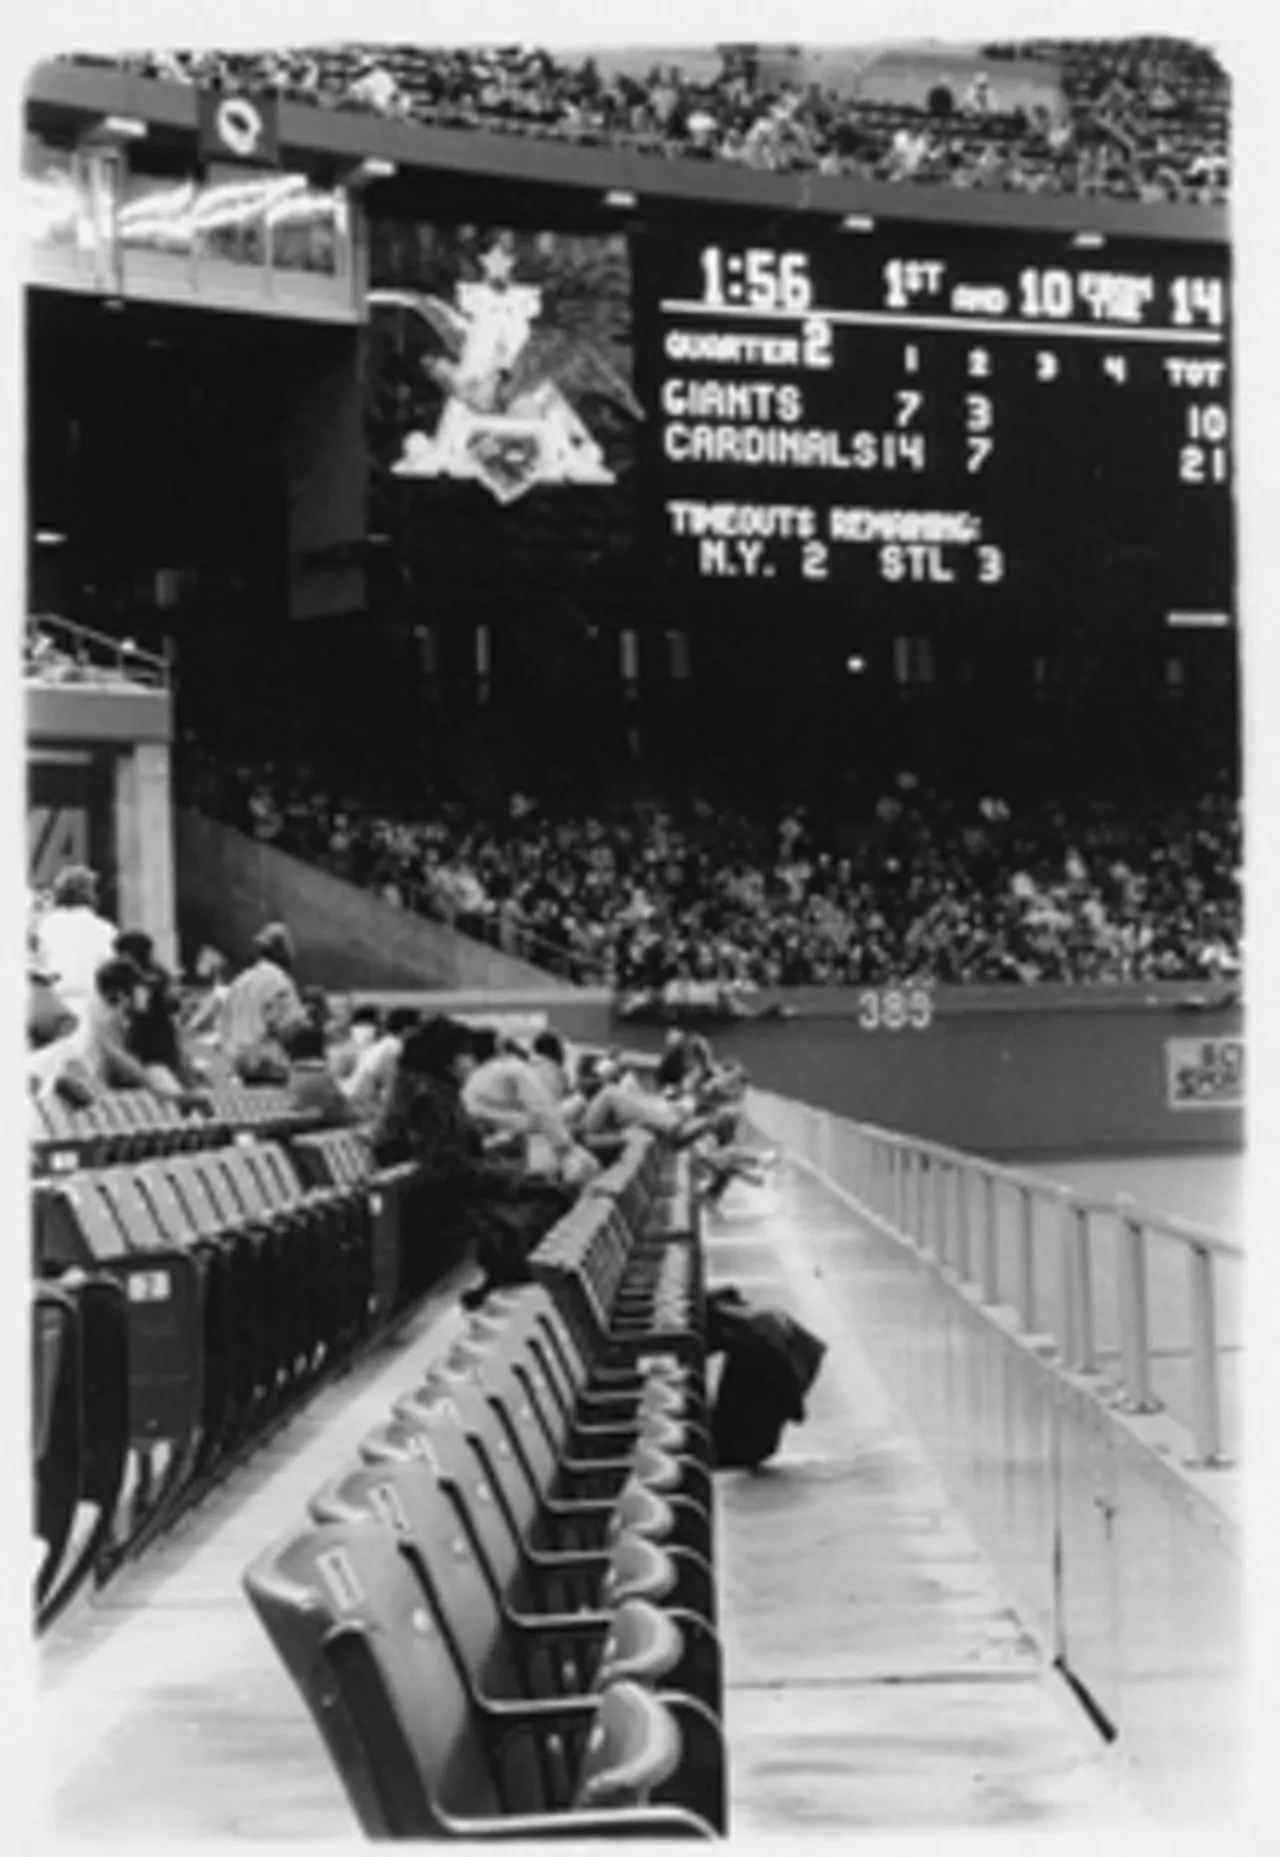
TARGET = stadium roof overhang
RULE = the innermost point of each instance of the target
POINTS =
(529, 178)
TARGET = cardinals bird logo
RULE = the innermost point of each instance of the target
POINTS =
(509, 420)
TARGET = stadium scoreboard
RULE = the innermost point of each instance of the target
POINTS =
(941, 409)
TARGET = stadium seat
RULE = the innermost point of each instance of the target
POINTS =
(173, 1400)
(84, 1460)
(507, 1363)
(531, 1582)
(527, 1316)
(422, 1755)
(57, 1411)
(567, 1535)
(506, 1653)
(600, 1386)
(343, 1157)
(582, 1265)
(568, 1466)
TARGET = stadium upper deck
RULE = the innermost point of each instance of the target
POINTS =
(1137, 129)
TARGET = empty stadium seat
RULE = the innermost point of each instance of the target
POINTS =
(422, 1754)
(81, 1414)
(508, 1653)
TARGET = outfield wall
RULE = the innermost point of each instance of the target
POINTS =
(1010, 1072)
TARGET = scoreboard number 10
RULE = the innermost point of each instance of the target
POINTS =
(1204, 460)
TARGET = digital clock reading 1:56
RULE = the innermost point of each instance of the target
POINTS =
(757, 278)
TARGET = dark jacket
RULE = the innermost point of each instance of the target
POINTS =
(771, 1361)
(425, 1121)
(153, 1032)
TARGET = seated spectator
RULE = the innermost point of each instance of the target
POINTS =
(504, 1094)
(92, 1057)
(74, 939)
(616, 1103)
(152, 1037)
(48, 1017)
(369, 1083)
(201, 1013)
(262, 1007)
(361, 1028)
(507, 1098)
(550, 1059)
(674, 1062)
(313, 1088)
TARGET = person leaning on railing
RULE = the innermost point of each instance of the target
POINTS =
(508, 1098)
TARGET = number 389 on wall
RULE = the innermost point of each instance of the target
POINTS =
(895, 1009)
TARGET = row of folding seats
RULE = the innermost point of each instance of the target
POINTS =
(342, 1157)
(240, 1276)
(125, 1125)
(503, 1617)
(80, 1430)
(631, 1181)
(631, 1293)
(675, 1209)
(129, 1125)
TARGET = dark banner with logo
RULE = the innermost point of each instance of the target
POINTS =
(235, 127)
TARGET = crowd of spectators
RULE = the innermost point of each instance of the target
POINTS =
(1143, 119)
(914, 884)
(502, 1135)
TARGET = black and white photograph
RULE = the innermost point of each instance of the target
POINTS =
(639, 827)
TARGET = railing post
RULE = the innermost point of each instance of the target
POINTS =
(1077, 1288)
(1206, 1391)
(941, 1222)
(1026, 1258)
(964, 1259)
(900, 1188)
(1135, 1347)
(990, 1240)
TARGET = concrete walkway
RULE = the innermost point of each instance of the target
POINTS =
(877, 1676)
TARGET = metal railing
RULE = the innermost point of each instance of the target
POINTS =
(62, 651)
(1148, 1304)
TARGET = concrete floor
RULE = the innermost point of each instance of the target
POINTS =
(876, 1674)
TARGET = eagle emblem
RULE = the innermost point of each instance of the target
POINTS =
(509, 419)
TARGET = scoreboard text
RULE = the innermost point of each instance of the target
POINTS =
(942, 408)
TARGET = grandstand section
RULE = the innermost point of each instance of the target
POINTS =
(537, 562)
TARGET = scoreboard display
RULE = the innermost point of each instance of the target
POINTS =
(940, 414)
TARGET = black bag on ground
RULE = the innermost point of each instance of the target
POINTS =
(771, 1361)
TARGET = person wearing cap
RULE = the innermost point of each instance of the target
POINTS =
(262, 1009)
(74, 940)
